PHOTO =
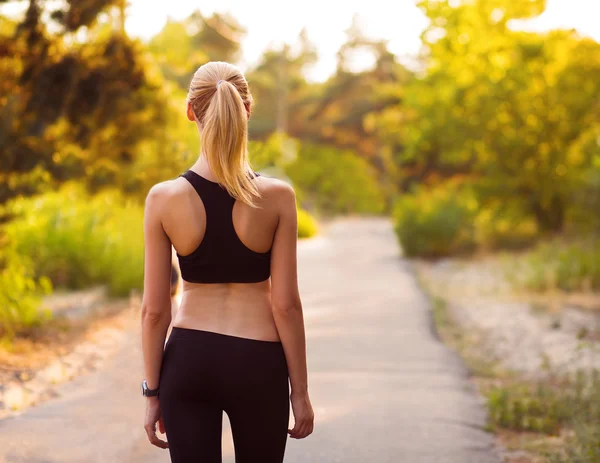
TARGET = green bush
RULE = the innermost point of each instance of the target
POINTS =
(556, 265)
(505, 227)
(335, 181)
(275, 152)
(77, 240)
(526, 408)
(435, 222)
(453, 218)
(307, 226)
(20, 295)
(325, 178)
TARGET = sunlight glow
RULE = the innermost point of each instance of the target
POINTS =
(269, 23)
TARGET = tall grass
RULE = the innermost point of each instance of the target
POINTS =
(556, 265)
(20, 295)
(77, 240)
(562, 406)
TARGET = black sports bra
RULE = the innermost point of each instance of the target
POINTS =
(221, 257)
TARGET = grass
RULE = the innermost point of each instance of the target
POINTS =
(566, 408)
(20, 296)
(65, 239)
(555, 265)
(77, 240)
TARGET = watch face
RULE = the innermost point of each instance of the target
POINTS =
(144, 387)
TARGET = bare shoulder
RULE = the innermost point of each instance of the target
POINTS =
(276, 190)
(164, 192)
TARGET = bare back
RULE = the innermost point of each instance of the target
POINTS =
(239, 309)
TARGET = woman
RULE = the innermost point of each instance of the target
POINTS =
(237, 343)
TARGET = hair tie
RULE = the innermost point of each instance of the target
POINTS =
(219, 82)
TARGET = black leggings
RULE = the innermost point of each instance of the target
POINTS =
(205, 373)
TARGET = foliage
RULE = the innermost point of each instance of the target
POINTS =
(340, 112)
(280, 90)
(586, 191)
(509, 106)
(527, 408)
(504, 225)
(450, 218)
(278, 151)
(325, 178)
(582, 447)
(77, 240)
(172, 149)
(436, 222)
(335, 181)
(514, 112)
(72, 108)
(571, 266)
(20, 295)
(181, 47)
(552, 406)
(307, 225)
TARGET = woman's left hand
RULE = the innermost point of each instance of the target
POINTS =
(152, 417)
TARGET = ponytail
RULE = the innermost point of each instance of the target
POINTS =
(219, 92)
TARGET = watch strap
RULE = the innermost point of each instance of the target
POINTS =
(146, 392)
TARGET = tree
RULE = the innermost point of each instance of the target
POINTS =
(280, 89)
(181, 47)
(343, 114)
(71, 108)
(507, 106)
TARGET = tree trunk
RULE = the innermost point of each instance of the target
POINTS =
(552, 218)
(122, 5)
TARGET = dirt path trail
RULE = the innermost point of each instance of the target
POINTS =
(384, 389)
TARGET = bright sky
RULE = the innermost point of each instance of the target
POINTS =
(271, 22)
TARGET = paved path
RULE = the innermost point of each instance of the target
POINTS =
(384, 389)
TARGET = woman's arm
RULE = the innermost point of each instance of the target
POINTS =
(287, 310)
(156, 303)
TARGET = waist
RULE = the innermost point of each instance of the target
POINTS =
(237, 310)
(192, 333)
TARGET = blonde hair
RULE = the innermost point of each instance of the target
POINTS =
(218, 95)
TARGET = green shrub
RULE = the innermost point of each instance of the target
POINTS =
(505, 227)
(20, 295)
(335, 181)
(452, 218)
(551, 265)
(77, 240)
(435, 222)
(307, 225)
(326, 178)
(275, 152)
(526, 408)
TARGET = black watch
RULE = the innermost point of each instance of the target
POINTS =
(146, 392)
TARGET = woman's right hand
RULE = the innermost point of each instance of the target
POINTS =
(304, 416)
(153, 416)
